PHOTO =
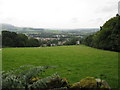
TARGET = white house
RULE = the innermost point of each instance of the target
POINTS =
(78, 42)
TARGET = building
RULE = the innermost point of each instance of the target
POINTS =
(78, 42)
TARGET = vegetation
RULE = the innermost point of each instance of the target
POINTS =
(29, 78)
(108, 37)
(12, 39)
(72, 41)
(72, 62)
(75, 62)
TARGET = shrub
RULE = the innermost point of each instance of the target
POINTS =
(50, 82)
(29, 78)
(22, 77)
(88, 82)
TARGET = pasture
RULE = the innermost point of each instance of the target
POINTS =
(72, 62)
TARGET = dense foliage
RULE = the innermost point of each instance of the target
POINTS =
(108, 36)
(12, 39)
(29, 77)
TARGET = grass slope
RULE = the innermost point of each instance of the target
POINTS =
(73, 62)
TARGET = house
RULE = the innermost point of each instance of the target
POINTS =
(78, 43)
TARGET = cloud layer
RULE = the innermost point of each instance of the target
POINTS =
(57, 13)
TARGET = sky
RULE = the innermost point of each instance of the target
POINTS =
(60, 14)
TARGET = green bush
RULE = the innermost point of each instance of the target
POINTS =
(29, 78)
(88, 82)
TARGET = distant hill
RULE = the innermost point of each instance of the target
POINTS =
(89, 30)
(9, 27)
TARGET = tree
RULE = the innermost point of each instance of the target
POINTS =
(8, 38)
(108, 36)
(32, 42)
(22, 40)
(12, 39)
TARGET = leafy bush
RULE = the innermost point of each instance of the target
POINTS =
(29, 77)
(50, 82)
(88, 82)
(21, 78)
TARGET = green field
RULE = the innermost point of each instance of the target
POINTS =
(72, 62)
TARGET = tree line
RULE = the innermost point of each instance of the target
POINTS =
(12, 39)
(108, 37)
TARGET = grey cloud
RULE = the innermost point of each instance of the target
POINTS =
(119, 8)
(108, 8)
(74, 20)
(97, 21)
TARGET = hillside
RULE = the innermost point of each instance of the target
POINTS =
(108, 37)
(9, 27)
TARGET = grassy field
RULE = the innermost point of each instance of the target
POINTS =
(73, 62)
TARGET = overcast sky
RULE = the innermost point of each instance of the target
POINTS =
(61, 14)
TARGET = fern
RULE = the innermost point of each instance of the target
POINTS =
(20, 78)
(51, 82)
(42, 83)
(27, 77)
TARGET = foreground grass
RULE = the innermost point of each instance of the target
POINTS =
(72, 62)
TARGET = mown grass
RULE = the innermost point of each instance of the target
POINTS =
(72, 62)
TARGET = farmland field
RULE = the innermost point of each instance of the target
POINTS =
(72, 62)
